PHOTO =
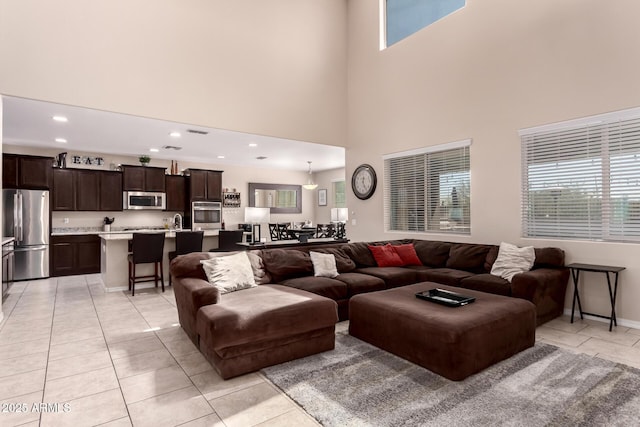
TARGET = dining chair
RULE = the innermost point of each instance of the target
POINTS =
(273, 232)
(146, 248)
(283, 231)
(325, 230)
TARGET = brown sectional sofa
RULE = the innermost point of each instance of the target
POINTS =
(455, 264)
(288, 271)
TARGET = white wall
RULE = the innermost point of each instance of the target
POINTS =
(325, 180)
(485, 72)
(274, 67)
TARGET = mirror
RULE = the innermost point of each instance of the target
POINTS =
(281, 198)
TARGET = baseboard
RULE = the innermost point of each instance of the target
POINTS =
(138, 286)
(621, 322)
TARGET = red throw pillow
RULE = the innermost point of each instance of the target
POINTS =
(407, 254)
(386, 256)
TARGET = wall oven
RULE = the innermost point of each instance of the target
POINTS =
(206, 215)
(143, 200)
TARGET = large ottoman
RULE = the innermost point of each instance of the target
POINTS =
(253, 328)
(454, 342)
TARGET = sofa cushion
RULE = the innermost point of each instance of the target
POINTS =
(468, 257)
(386, 256)
(229, 273)
(433, 254)
(549, 258)
(284, 264)
(344, 264)
(262, 314)
(360, 254)
(325, 286)
(487, 283)
(407, 254)
(512, 260)
(358, 283)
(392, 276)
(445, 276)
(324, 265)
(260, 275)
(189, 265)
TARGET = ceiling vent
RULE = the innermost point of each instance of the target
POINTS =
(171, 147)
(199, 132)
(261, 157)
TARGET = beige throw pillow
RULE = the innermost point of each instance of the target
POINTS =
(513, 260)
(229, 273)
(324, 265)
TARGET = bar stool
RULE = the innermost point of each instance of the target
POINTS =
(228, 241)
(146, 248)
(186, 242)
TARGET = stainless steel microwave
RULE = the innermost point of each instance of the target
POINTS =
(206, 215)
(144, 200)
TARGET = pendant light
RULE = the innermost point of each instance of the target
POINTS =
(310, 185)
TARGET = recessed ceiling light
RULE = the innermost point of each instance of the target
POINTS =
(221, 157)
(62, 119)
(154, 150)
(61, 140)
(175, 134)
(253, 144)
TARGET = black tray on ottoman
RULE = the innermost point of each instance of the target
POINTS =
(444, 297)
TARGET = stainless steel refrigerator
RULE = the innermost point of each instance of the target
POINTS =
(26, 217)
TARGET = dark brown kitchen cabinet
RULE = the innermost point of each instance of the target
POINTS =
(75, 254)
(86, 190)
(110, 191)
(176, 193)
(205, 185)
(63, 194)
(28, 172)
(143, 178)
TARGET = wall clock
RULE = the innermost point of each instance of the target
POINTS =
(364, 181)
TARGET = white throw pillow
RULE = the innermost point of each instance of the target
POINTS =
(513, 260)
(229, 273)
(324, 265)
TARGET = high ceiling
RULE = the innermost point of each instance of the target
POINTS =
(30, 123)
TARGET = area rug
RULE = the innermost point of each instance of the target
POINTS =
(358, 384)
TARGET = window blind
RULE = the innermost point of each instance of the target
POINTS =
(582, 181)
(428, 189)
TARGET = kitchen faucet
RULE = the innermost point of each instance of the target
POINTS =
(177, 221)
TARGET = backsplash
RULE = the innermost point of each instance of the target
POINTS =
(124, 219)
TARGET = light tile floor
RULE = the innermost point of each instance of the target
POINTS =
(110, 359)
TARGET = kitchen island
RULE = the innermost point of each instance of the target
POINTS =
(114, 267)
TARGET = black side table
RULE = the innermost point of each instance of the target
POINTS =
(606, 269)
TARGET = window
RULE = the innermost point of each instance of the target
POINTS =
(405, 17)
(581, 179)
(428, 189)
(339, 194)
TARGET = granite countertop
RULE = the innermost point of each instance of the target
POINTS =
(119, 233)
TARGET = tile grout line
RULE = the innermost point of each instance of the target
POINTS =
(110, 357)
(183, 370)
(46, 369)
